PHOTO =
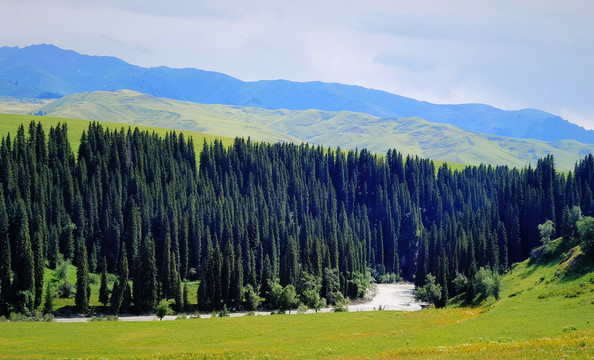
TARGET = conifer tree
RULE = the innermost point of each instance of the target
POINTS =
(39, 266)
(119, 291)
(5, 258)
(48, 304)
(145, 284)
(82, 278)
(103, 289)
(23, 264)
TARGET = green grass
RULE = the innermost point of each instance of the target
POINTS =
(538, 316)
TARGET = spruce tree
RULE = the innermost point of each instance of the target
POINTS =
(39, 265)
(23, 264)
(103, 289)
(119, 291)
(82, 278)
(5, 258)
(48, 304)
(145, 284)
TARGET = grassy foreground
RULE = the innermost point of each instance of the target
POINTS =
(539, 315)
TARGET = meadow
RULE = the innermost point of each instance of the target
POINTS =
(539, 315)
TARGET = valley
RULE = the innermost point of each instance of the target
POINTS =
(280, 219)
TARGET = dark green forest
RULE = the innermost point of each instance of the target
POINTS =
(254, 221)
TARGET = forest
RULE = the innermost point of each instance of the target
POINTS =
(260, 225)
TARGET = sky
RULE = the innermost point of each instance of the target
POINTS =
(509, 54)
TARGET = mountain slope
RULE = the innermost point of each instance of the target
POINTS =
(346, 129)
(46, 69)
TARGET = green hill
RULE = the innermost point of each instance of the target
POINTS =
(348, 130)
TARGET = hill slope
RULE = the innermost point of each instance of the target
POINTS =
(45, 71)
(336, 129)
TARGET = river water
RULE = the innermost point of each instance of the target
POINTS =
(394, 297)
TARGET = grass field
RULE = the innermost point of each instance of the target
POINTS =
(538, 316)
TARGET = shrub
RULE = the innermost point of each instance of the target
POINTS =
(389, 278)
(251, 298)
(460, 283)
(65, 290)
(93, 279)
(288, 298)
(341, 306)
(163, 309)
(430, 292)
(224, 312)
(62, 268)
(301, 309)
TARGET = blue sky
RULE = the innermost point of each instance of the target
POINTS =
(509, 54)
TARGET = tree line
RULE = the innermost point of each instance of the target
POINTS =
(253, 220)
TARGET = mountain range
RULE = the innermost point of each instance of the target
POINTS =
(42, 71)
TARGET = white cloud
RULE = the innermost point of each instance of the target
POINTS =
(510, 54)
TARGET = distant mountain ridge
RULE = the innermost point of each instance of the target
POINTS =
(411, 135)
(45, 69)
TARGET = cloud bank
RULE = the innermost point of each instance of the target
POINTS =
(509, 54)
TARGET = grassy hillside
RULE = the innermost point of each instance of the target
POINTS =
(349, 130)
(9, 123)
(541, 314)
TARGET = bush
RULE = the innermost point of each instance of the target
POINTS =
(251, 298)
(341, 306)
(460, 283)
(301, 309)
(388, 278)
(24, 301)
(62, 268)
(65, 290)
(163, 309)
(224, 312)
(34, 316)
(94, 279)
(586, 233)
(488, 283)
(358, 284)
(288, 298)
(430, 292)
(195, 315)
